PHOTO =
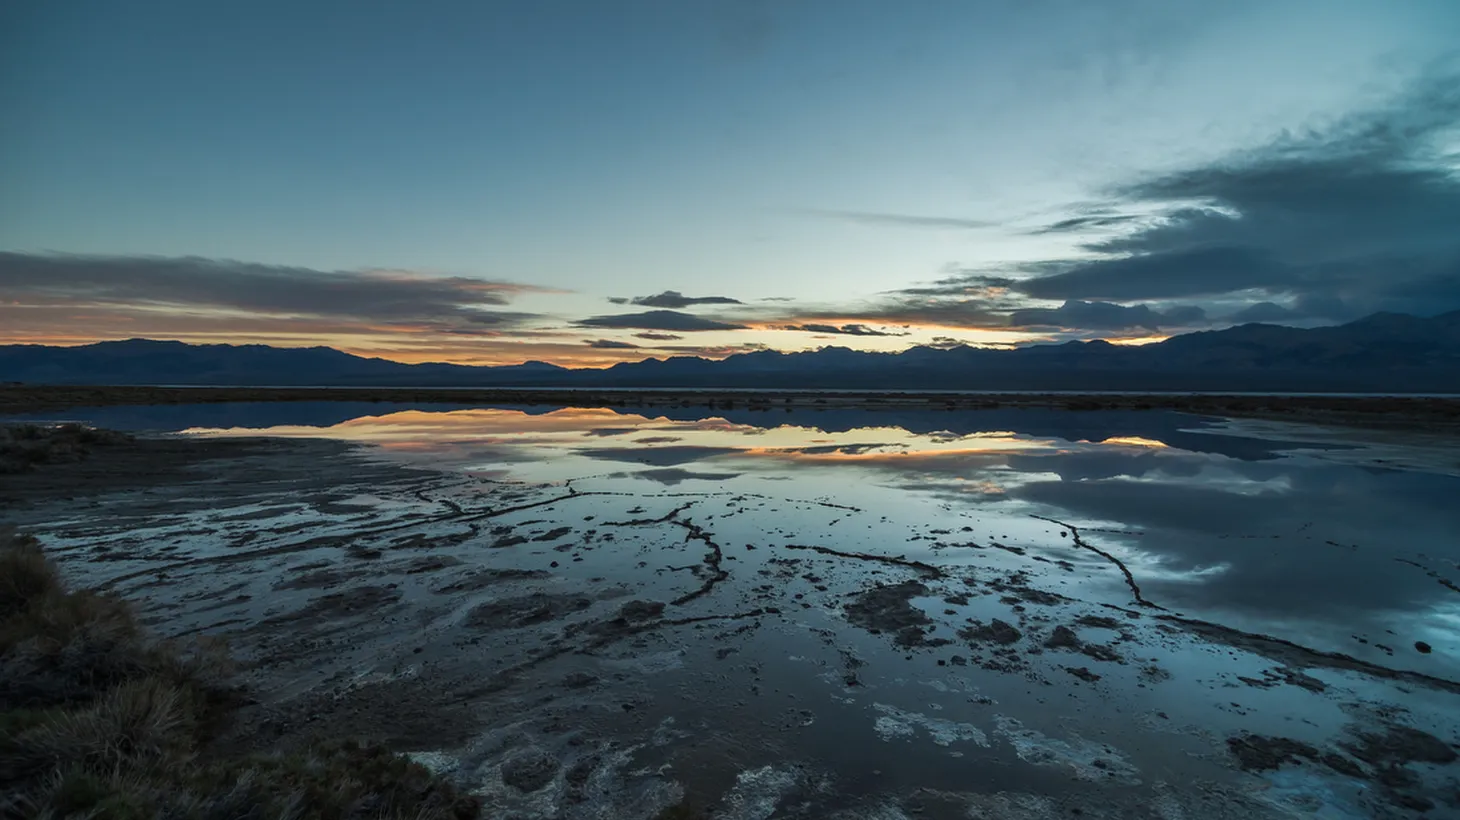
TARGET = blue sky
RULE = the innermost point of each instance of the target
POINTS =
(900, 168)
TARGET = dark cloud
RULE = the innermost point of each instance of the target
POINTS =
(1336, 224)
(671, 476)
(674, 299)
(452, 304)
(658, 337)
(945, 343)
(904, 220)
(1314, 227)
(610, 344)
(904, 309)
(671, 456)
(1081, 223)
(1175, 274)
(1263, 312)
(1105, 316)
(846, 330)
(658, 320)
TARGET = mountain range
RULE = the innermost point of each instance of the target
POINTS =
(1385, 352)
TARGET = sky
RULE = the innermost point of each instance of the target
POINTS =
(608, 180)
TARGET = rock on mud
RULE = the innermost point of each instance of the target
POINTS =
(1401, 744)
(483, 578)
(1063, 638)
(887, 608)
(641, 610)
(1083, 673)
(357, 601)
(527, 610)
(529, 771)
(999, 632)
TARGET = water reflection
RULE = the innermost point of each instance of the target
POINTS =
(1213, 523)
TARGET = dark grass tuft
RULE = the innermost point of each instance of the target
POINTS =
(98, 720)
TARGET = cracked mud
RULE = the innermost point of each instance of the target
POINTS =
(833, 616)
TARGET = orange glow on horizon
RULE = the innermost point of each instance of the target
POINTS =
(1136, 441)
(423, 343)
(1137, 341)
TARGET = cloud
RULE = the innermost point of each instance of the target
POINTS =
(1263, 312)
(658, 320)
(1329, 224)
(1081, 223)
(912, 309)
(945, 343)
(658, 337)
(846, 330)
(903, 220)
(140, 283)
(1106, 316)
(609, 344)
(716, 351)
(674, 299)
(1174, 274)
(670, 456)
(1318, 226)
(671, 476)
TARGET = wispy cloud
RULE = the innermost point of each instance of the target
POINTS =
(1319, 226)
(845, 330)
(148, 284)
(610, 344)
(658, 320)
(1325, 225)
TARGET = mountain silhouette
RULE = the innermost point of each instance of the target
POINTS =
(1385, 352)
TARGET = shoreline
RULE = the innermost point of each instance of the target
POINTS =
(1431, 413)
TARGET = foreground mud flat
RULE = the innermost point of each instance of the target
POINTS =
(585, 613)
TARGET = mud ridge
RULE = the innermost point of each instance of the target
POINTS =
(1130, 580)
(454, 507)
(709, 568)
(711, 563)
(645, 522)
(1440, 579)
(1281, 649)
(763, 497)
(605, 637)
(661, 623)
(926, 570)
(335, 540)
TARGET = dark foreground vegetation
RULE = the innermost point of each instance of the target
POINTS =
(23, 446)
(97, 720)
(1433, 414)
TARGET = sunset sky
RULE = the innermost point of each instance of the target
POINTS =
(607, 180)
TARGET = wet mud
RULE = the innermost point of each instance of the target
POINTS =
(601, 645)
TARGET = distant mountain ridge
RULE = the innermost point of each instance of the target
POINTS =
(1385, 352)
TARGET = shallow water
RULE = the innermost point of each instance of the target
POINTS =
(1219, 578)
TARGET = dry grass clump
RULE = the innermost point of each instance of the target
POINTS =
(99, 721)
(23, 446)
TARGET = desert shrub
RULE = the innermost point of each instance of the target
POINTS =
(23, 446)
(99, 721)
(25, 574)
